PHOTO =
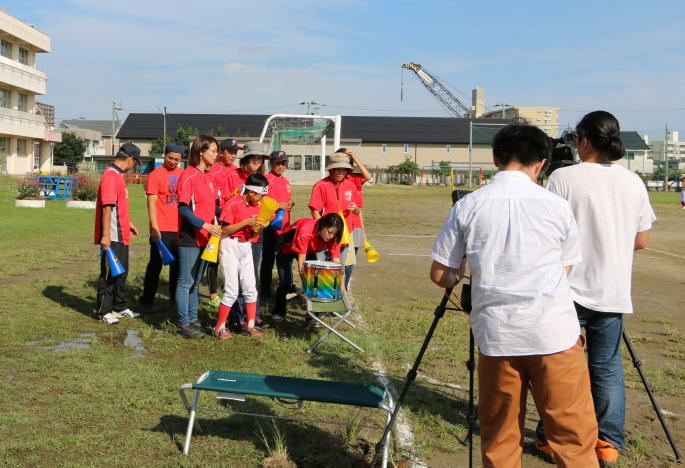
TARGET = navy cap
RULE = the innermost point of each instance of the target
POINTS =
(130, 150)
(230, 144)
(278, 156)
(174, 148)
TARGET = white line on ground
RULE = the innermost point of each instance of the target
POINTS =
(406, 255)
(401, 235)
(661, 252)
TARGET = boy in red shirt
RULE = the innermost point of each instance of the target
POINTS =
(162, 207)
(279, 190)
(113, 230)
(306, 237)
(240, 230)
(337, 194)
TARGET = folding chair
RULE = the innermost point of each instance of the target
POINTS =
(339, 311)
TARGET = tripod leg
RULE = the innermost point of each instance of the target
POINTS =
(411, 375)
(637, 364)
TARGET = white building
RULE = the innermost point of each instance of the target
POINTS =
(675, 151)
(26, 127)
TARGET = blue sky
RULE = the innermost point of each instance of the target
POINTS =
(267, 56)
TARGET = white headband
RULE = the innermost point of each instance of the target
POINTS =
(256, 189)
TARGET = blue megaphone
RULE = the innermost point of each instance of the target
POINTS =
(167, 258)
(277, 223)
(115, 266)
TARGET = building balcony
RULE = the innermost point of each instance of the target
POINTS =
(22, 76)
(22, 124)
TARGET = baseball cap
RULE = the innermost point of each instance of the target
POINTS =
(230, 144)
(130, 150)
(278, 156)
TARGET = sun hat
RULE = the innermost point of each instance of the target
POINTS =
(254, 148)
(339, 161)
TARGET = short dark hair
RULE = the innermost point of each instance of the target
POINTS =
(258, 180)
(199, 146)
(523, 143)
(331, 220)
(603, 132)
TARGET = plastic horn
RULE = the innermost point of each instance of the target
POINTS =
(277, 223)
(115, 266)
(167, 258)
(267, 208)
(372, 255)
(211, 253)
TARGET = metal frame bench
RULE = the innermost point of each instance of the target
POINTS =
(237, 385)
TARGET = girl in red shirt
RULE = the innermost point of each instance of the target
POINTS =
(197, 196)
(305, 238)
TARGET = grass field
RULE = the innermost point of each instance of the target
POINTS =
(105, 399)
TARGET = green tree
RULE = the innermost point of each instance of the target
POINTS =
(407, 171)
(183, 137)
(70, 150)
(445, 169)
(158, 144)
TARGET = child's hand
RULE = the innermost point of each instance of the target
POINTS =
(251, 221)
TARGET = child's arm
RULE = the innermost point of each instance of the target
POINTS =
(229, 229)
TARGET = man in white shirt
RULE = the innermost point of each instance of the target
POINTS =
(614, 218)
(518, 240)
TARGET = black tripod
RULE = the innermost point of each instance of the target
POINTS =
(411, 375)
(637, 364)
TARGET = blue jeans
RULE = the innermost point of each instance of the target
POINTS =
(188, 284)
(604, 333)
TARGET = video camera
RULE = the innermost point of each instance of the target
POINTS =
(562, 152)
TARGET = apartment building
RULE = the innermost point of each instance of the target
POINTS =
(674, 150)
(545, 118)
(26, 126)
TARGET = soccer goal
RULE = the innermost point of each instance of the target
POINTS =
(301, 134)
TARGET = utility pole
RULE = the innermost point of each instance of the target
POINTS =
(312, 107)
(666, 158)
(115, 107)
(503, 106)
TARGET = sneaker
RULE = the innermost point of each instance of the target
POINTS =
(196, 325)
(607, 454)
(222, 334)
(110, 318)
(126, 313)
(253, 332)
(215, 302)
(277, 317)
(260, 324)
(544, 450)
(190, 333)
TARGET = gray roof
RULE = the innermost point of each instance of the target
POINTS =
(633, 141)
(368, 129)
(102, 126)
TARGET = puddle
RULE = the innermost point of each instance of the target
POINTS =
(82, 342)
(135, 342)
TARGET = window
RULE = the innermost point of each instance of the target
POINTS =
(548, 114)
(23, 103)
(23, 56)
(297, 162)
(384, 148)
(449, 149)
(630, 156)
(6, 98)
(6, 48)
(548, 122)
(21, 147)
(406, 148)
(4, 148)
(548, 130)
(312, 162)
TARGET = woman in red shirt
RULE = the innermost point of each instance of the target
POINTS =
(197, 196)
(305, 238)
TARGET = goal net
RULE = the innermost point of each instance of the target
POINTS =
(302, 135)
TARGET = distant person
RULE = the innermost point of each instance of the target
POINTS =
(240, 229)
(614, 217)
(519, 241)
(357, 228)
(222, 170)
(682, 193)
(113, 230)
(279, 190)
(162, 208)
(197, 208)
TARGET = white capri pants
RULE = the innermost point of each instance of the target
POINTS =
(238, 267)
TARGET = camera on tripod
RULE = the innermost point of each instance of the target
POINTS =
(562, 152)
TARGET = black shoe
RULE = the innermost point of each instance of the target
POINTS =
(190, 333)
(260, 324)
(196, 325)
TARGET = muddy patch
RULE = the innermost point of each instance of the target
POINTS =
(83, 341)
(134, 342)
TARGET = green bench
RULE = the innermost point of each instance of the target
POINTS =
(237, 385)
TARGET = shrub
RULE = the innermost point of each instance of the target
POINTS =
(28, 189)
(85, 188)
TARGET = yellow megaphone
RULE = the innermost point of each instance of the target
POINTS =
(211, 253)
(372, 255)
(346, 238)
(267, 208)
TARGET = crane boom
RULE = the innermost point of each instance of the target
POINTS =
(439, 90)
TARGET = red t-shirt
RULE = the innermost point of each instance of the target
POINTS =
(232, 183)
(279, 190)
(236, 210)
(112, 192)
(197, 190)
(220, 172)
(358, 180)
(164, 183)
(327, 198)
(307, 241)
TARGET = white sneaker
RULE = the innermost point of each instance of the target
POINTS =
(110, 319)
(291, 295)
(126, 313)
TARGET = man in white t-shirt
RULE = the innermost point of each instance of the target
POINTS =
(614, 217)
(519, 240)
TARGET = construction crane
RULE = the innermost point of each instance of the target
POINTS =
(439, 90)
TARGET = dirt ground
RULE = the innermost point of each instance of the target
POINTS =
(656, 327)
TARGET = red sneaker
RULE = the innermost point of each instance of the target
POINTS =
(222, 334)
(545, 451)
